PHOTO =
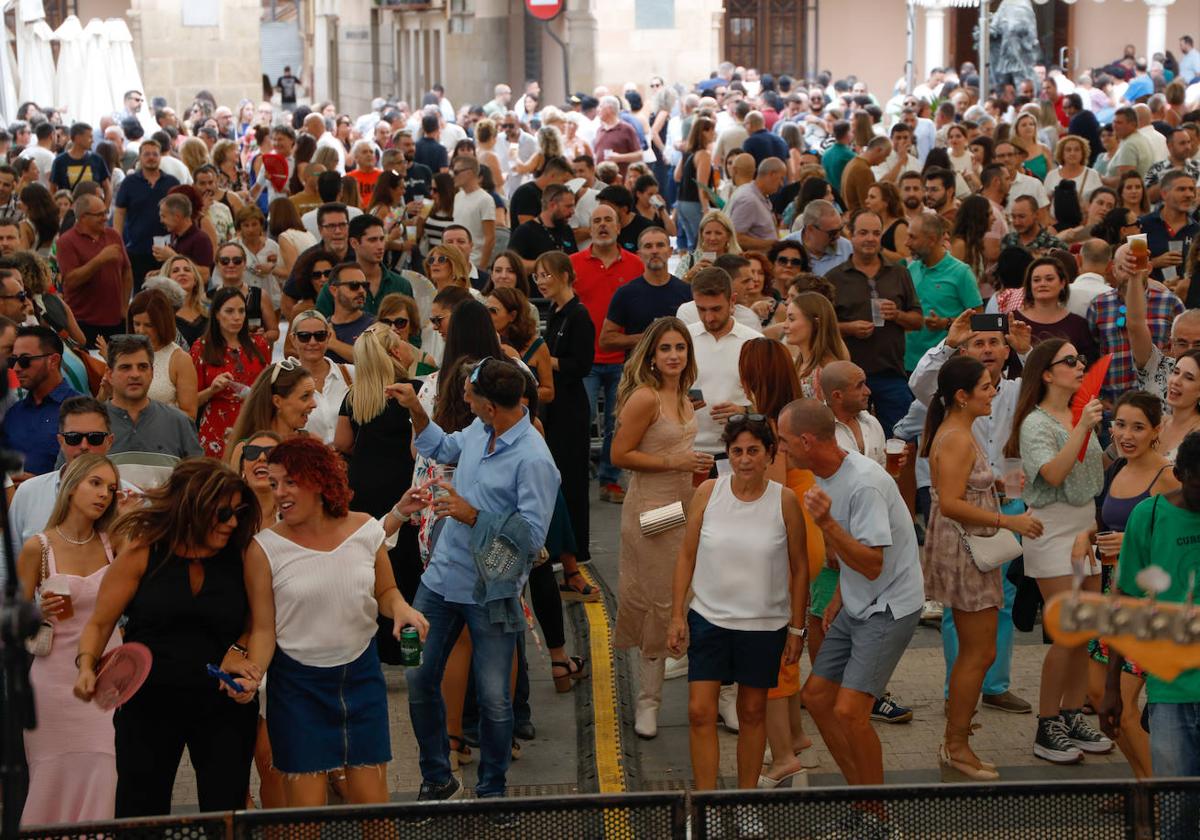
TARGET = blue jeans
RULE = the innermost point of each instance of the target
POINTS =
(891, 398)
(689, 214)
(608, 377)
(999, 676)
(491, 665)
(1175, 751)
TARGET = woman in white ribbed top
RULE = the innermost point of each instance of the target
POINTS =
(744, 560)
(318, 579)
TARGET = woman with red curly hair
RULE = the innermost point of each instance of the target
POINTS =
(317, 580)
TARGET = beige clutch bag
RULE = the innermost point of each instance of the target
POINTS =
(659, 520)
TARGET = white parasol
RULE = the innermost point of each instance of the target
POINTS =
(96, 99)
(35, 58)
(67, 87)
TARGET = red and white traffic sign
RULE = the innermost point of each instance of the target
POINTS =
(544, 9)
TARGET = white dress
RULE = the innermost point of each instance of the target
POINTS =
(162, 389)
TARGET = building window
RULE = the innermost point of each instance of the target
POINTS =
(654, 14)
(461, 13)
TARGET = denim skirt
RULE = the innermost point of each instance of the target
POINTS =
(322, 719)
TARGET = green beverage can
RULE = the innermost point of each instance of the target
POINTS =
(410, 647)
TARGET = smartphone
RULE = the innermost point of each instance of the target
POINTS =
(709, 256)
(696, 395)
(989, 323)
(224, 676)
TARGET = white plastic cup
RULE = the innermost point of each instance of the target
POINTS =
(1013, 473)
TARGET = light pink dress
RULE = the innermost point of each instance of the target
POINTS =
(72, 759)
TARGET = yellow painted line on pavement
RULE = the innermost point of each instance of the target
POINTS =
(606, 728)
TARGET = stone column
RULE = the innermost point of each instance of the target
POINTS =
(1156, 27)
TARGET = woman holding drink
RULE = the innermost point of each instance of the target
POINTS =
(71, 755)
(656, 429)
(1139, 472)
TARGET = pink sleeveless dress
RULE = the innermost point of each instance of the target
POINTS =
(72, 759)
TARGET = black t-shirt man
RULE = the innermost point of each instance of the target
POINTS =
(526, 201)
(532, 239)
(628, 237)
(417, 182)
(286, 85)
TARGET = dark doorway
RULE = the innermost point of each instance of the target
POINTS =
(767, 34)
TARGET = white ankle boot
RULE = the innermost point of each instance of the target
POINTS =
(645, 717)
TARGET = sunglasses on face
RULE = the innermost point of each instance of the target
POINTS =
(794, 262)
(436, 320)
(225, 512)
(21, 296)
(1071, 361)
(353, 285)
(255, 451)
(305, 336)
(76, 438)
(231, 260)
(26, 359)
(395, 323)
(438, 259)
(314, 274)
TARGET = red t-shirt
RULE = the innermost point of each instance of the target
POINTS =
(595, 286)
(366, 185)
(97, 301)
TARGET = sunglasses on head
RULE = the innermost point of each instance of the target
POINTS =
(743, 418)
(320, 273)
(225, 512)
(289, 364)
(254, 451)
(395, 323)
(76, 438)
(26, 359)
(305, 336)
(353, 285)
(231, 260)
(475, 370)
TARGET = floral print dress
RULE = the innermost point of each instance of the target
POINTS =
(219, 414)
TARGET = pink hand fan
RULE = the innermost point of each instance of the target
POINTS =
(121, 673)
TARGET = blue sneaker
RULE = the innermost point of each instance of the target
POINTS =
(889, 711)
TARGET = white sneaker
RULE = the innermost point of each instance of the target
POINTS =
(676, 668)
(727, 708)
(932, 611)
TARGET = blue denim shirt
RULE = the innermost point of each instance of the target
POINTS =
(518, 475)
(32, 429)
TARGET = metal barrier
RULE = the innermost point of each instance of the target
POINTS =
(1076, 810)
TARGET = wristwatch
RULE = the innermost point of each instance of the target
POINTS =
(802, 632)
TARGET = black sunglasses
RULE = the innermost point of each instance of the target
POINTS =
(26, 359)
(305, 336)
(323, 273)
(794, 262)
(1071, 361)
(93, 438)
(225, 512)
(353, 285)
(21, 296)
(395, 323)
(231, 260)
(254, 451)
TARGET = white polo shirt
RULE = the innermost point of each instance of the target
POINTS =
(717, 376)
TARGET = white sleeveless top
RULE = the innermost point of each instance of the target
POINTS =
(162, 389)
(741, 579)
(325, 606)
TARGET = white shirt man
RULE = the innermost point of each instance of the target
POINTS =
(474, 209)
(1090, 283)
(176, 168)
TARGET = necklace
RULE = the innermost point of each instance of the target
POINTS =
(91, 535)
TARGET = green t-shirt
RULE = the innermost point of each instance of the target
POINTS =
(949, 289)
(390, 282)
(1159, 533)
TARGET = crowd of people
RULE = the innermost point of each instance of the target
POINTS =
(384, 363)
